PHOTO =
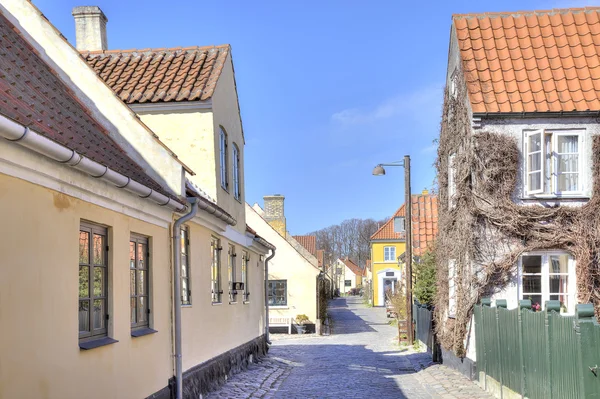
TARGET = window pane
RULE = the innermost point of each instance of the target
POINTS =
(99, 281)
(141, 253)
(132, 255)
(532, 284)
(84, 282)
(568, 182)
(535, 142)
(568, 162)
(535, 181)
(183, 241)
(559, 263)
(535, 299)
(84, 316)
(142, 309)
(532, 264)
(84, 247)
(98, 249)
(558, 284)
(99, 312)
(184, 291)
(133, 307)
(141, 283)
(535, 162)
(184, 268)
(568, 144)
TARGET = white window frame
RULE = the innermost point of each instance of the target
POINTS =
(452, 288)
(545, 277)
(392, 251)
(549, 178)
(451, 180)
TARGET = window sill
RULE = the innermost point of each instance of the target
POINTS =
(233, 302)
(225, 189)
(555, 197)
(239, 200)
(278, 307)
(142, 331)
(96, 343)
(186, 306)
(246, 302)
(217, 303)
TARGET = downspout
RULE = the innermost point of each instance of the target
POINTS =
(177, 292)
(267, 294)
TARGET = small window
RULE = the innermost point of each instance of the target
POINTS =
(236, 173)
(453, 89)
(389, 254)
(548, 276)
(451, 181)
(347, 283)
(186, 292)
(93, 282)
(223, 158)
(389, 274)
(451, 288)
(232, 274)
(277, 293)
(215, 250)
(139, 278)
(552, 163)
(245, 264)
(399, 224)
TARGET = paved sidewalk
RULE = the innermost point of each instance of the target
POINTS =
(360, 359)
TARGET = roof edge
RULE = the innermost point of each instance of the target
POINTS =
(524, 12)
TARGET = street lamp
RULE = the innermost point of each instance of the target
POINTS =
(380, 171)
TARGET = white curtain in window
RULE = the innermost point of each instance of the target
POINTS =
(567, 158)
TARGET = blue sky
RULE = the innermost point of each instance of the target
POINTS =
(327, 88)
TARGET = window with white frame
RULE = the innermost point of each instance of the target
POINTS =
(223, 158)
(451, 288)
(186, 292)
(398, 224)
(553, 162)
(236, 172)
(389, 254)
(547, 276)
(451, 180)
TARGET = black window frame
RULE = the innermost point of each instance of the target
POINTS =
(347, 283)
(272, 292)
(232, 273)
(237, 191)
(224, 158)
(185, 267)
(245, 279)
(94, 333)
(138, 240)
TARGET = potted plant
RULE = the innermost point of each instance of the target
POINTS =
(301, 322)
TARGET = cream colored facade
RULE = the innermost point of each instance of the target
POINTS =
(344, 273)
(288, 264)
(42, 204)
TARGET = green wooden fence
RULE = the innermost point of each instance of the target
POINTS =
(538, 355)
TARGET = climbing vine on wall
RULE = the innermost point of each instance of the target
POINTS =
(484, 231)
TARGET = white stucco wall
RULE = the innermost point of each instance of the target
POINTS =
(121, 123)
(288, 265)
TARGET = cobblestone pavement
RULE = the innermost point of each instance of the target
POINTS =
(359, 360)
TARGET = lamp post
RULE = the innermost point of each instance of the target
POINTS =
(380, 171)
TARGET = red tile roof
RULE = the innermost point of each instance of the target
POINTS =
(352, 266)
(424, 223)
(534, 61)
(308, 242)
(33, 94)
(160, 75)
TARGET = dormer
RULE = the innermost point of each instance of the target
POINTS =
(188, 97)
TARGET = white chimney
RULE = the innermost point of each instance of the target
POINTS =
(90, 28)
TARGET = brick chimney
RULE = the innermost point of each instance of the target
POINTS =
(90, 28)
(274, 214)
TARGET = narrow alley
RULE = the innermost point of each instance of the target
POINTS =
(360, 359)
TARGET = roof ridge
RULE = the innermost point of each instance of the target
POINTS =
(526, 12)
(158, 49)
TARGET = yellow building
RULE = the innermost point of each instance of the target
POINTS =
(92, 284)
(388, 243)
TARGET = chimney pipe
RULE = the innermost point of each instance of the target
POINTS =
(90, 28)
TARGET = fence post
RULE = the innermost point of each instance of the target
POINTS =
(523, 304)
(584, 327)
(484, 302)
(500, 303)
(551, 306)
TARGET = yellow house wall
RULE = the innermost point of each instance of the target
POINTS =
(288, 265)
(190, 134)
(378, 264)
(209, 330)
(39, 301)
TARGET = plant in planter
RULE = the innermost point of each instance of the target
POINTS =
(301, 322)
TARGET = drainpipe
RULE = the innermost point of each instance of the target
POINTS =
(267, 294)
(177, 292)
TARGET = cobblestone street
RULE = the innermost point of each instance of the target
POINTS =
(360, 359)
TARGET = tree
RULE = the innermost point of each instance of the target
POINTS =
(425, 278)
